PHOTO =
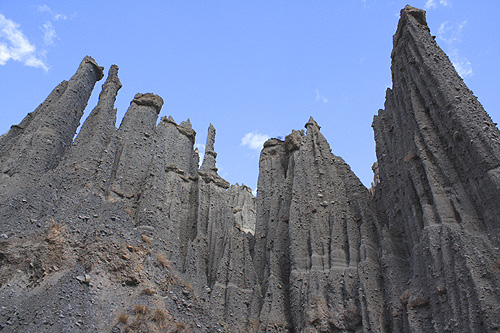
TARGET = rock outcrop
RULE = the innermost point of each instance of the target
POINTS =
(120, 230)
(316, 248)
(438, 161)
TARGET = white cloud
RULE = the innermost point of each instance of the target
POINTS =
(254, 192)
(431, 4)
(462, 65)
(48, 10)
(44, 9)
(451, 33)
(14, 45)
(254, 140)
(321, 98)
(49, 33)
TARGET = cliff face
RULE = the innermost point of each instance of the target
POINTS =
(120, 230)
(316, 239)
(438, 163)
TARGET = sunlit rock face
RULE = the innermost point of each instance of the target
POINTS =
(438, 164)
(121, 229)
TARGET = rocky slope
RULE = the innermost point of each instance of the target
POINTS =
(120, 230)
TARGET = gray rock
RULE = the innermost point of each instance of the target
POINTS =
(111, 231)
(437, 191)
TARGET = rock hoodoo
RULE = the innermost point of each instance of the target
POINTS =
(121, 230)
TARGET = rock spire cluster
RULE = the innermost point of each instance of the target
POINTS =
(121, 230)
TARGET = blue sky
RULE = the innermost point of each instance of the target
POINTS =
(254, 69)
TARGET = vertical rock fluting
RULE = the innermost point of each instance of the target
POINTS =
(219, 257)
(38, 143)
(134, 149)
(316, 251)
(271, 254)
(438, 166)
(97, 131)
(169, 204)
(243, 203)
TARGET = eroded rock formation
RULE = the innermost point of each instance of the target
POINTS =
(438, 161)
(121, 229)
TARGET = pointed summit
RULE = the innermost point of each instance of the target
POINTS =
(208, 170)
(312, 123)
(148, 99)
(49, 131)
(210, 154)
(99, 126)
(416, 13)
(438, 173)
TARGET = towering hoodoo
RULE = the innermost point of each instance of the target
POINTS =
(97, 131)
(38, 143)
(134, 151)
(316, 240)
(439, 170)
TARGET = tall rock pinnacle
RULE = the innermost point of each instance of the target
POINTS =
(48, 132)
(134, 151)
(438, 168)
(210, 154)
(98, 128)
(208, 170)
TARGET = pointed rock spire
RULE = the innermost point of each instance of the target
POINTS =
(50, 131)
(149, 99)
(99, 125)
(136, 144)
(210, 154)
(312, 125)
(438, 186)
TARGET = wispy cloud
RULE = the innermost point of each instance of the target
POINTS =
(55, 16)
(321, 98)
(14, 45)
(462, 65)
(254, 140)
(432, 4)
(49, 33)
(451, 34)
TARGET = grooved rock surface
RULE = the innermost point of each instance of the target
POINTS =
(120, 230)
(438, 158)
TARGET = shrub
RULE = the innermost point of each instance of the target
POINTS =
(122, 318)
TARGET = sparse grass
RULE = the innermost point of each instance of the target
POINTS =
(147, 239)
(148, 292)
(180, 327)
(160, 316)
(123, 318)
(169, 281)
(141, 309)
(163, 261)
